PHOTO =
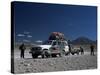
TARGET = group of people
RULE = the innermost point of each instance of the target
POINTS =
(82, 50)
(22, 48)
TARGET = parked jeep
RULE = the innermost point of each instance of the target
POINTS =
(50, 48)
(75, 51)
(56, 47)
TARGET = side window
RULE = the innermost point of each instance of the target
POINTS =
(59, 43)
(63, 43)
(54, 43)
(49, 42)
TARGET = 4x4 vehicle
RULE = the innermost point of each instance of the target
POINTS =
(55, 47)
(51, 48)
(75, 51)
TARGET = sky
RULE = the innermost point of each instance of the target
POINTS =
(36, 21)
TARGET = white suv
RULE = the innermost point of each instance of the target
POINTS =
(50, 48)
(55, 47)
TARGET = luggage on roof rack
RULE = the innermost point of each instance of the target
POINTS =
(56, 36)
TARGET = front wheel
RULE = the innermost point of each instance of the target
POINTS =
(34, 56)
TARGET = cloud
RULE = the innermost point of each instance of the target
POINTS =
(20, 35)
(26, 40)
(29, 36)
(39, 41)
(26, 32)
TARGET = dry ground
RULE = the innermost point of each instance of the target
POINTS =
(71, 62)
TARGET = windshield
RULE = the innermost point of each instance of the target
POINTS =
(54, 43)
(65, 43)
(47, 43)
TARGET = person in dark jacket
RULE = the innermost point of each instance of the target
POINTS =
(92, 49)
(81, 50)
(22, 49)
(69, 48)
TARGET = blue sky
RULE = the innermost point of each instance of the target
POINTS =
(36, 21)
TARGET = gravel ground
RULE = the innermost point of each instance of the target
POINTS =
(71, 62)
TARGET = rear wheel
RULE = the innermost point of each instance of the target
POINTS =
(68, 53)
(78, 53)
(72, 53)
(59, 55)
(43, 56)
(63, 52)
(54, 55)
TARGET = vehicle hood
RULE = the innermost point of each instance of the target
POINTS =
(45, 46)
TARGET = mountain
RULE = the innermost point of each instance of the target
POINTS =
(83, 40)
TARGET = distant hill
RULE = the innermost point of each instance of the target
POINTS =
(83, 40)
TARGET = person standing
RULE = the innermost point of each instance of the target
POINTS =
(22, 49)
(81, 50)
(69, 48)
(92, 49)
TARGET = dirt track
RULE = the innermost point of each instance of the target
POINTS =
(72, 62)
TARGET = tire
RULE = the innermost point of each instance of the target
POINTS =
(53, 55)
(68, 53)
(77, 53)
(42, 56)
(59, 55)
(64, 53)
(72, 53)
(34, 56)
(47, 54)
